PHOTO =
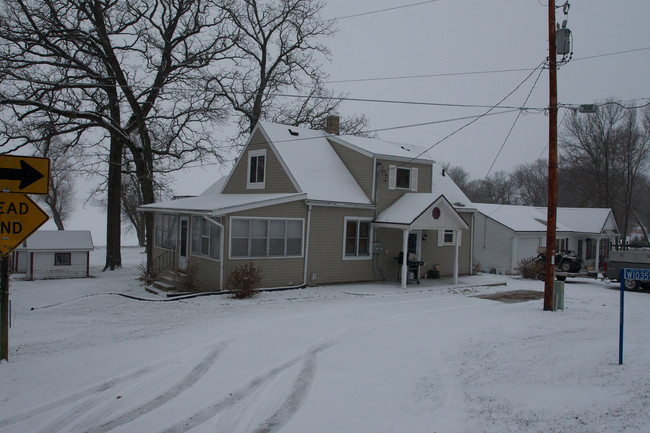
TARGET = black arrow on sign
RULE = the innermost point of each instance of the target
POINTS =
(26, 174)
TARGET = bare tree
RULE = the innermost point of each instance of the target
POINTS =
(275, 58)
(129, 73)
(531, 183)
(497, 188)
(605, 154)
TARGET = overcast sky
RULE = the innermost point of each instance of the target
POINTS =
(449, 40)
(462, 36)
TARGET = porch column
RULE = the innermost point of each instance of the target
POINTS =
(405, 254)
(597, 255)
(456, 247)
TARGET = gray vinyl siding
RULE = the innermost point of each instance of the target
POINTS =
(359, 165)
(276, 178)
(205, 272)
(385, 196)
(278, 272)
(326, 263)
(492, 243)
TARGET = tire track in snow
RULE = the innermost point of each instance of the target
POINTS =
(302, 385)
(98, 396)
(185, 383)
(81, 395)
(246, 391)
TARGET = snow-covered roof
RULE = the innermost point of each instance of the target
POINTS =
(220, 204)
(216, 187)
(533, 219)
(414, 210)
(59, 240)
(313, 164)
(385, 149)
(443, 184)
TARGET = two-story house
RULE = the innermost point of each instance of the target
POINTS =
(312, 207)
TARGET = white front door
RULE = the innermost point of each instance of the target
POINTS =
(184, 245)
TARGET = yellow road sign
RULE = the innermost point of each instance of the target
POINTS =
(19, 218)
(25, 174)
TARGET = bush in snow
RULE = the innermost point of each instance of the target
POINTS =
(244, 281)
(531, 268)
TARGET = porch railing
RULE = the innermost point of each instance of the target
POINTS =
(163, 261)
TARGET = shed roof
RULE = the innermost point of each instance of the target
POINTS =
(59, 240)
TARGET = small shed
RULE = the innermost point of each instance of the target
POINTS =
(49, 254)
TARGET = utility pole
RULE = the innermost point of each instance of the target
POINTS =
(549, 265)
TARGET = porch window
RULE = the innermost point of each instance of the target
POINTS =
(403, 178)
(62, 259)
(561, 245)
(206, 237)
(357, 238)
(256, 169)
(260, 237)
(165, 231)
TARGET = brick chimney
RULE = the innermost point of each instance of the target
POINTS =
(332, 125)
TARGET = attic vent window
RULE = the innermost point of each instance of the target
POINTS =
(294, 133)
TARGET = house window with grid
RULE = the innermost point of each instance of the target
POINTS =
(357, 238)
(260, 237)
(165, 231)
(256, 169)
(62, 259)
(206, 237)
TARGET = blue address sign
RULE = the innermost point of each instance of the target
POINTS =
(637, 274)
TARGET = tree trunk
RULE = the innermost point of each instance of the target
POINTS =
(114, 193)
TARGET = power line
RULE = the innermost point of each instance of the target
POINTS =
(458, 74)
(480, 117)
(513, 124)
(361, 14)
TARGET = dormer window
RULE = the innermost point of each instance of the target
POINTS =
(256, 169)
(403, 178)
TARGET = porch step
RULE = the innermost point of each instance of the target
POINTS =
(171, 280)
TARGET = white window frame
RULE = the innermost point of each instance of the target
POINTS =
(392, 178)
(163, 232)
(256, 184)
(443, 242)
(211, 226)
(268, 237)
(356, 255)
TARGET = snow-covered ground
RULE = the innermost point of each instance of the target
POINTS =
(355, 358)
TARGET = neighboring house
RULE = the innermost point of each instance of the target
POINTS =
(311, 207)
(506, 234)
(50, 254)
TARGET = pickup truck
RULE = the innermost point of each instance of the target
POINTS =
(634, 259)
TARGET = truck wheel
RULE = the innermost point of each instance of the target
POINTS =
(631, 285)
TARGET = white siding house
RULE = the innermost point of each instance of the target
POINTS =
(49, 254)
(506, 234)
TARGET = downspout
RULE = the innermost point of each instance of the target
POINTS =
(471, 245)
(457, 247)
(597, 258)
(221, 248)
(304, 278)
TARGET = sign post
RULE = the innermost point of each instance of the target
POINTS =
(20, 216)
(627, 274)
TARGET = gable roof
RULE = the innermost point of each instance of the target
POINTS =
(533, 219)
(59, 240)
(414, 211)
(313, 165)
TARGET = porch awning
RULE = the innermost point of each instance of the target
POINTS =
(421, 211)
